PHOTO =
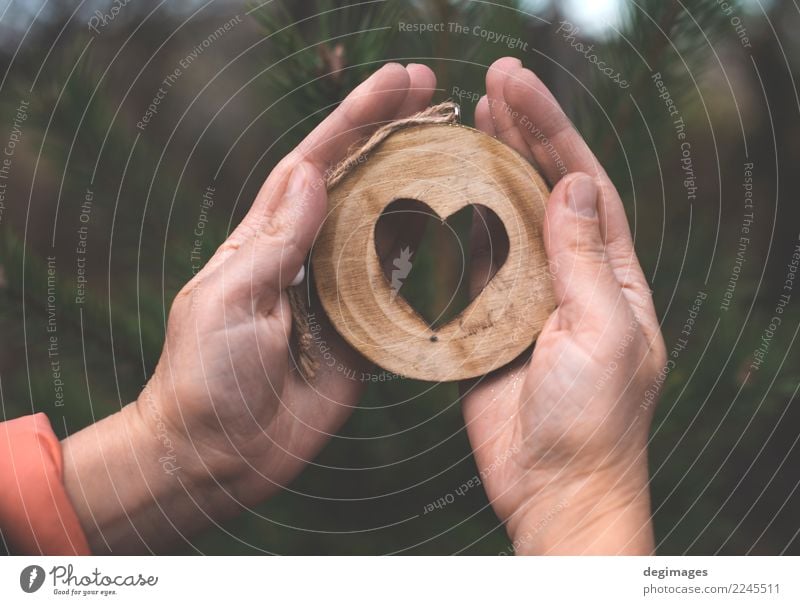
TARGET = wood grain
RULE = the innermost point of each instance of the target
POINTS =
(447, 167)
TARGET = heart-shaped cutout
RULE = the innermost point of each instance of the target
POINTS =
(445, 166)
(439, 265)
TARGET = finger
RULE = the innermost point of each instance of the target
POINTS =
(286, 215)
(270, 260)
(421, 86)
(558, 149)
(483, 117)
(383, 97)
(587, 291)
(505, 125)
(373, 102)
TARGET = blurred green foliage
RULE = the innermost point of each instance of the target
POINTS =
(724, 456)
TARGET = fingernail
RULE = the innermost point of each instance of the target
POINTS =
(298, 279)
(297, 181)
(582, 196)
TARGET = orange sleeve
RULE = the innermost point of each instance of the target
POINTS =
(36, 515)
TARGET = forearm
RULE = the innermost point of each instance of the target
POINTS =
(593, 515)
(135, 490)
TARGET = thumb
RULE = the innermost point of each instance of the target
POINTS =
(585, 286)
(273, 257)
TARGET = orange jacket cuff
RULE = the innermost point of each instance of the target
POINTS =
(36, 515)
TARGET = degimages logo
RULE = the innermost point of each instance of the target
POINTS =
(31, 578)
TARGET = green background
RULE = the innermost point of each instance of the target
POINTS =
(724, 453)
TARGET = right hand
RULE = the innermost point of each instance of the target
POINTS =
(561, 437)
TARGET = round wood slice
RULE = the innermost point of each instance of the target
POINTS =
(446, 167)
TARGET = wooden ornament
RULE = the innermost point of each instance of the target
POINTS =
(446, 167)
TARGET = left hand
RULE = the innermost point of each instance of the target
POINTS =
(226, 382)
(227, 420)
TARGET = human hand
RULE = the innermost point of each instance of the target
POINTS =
(238, 420)
(561, 438)
(226, 381)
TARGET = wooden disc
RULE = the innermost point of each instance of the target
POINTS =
(446, 167)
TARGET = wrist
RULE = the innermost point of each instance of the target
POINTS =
(205, 459)
(113, 477)
(137, 484)
(599, 513)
